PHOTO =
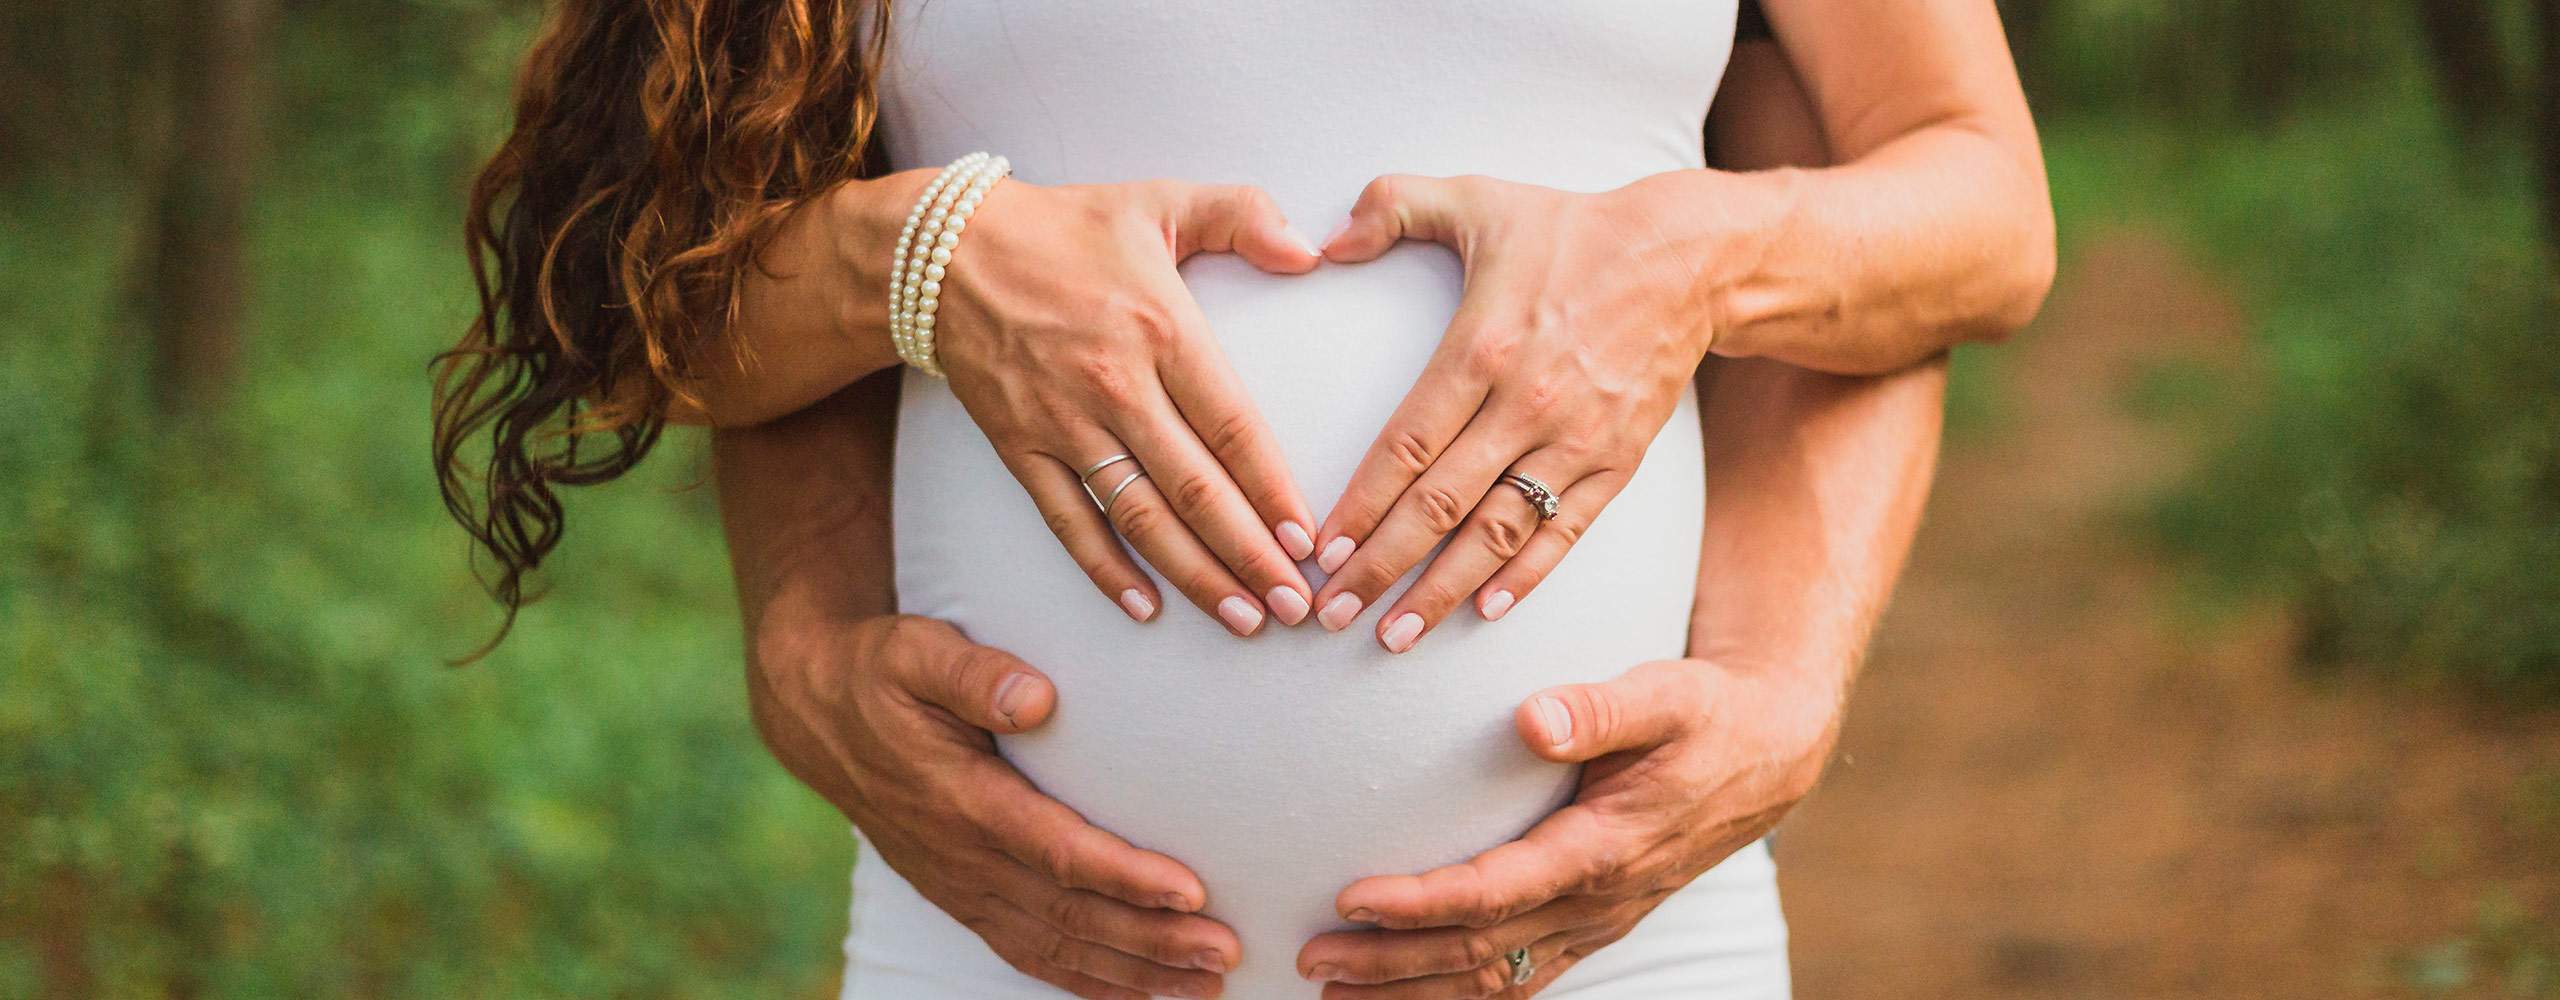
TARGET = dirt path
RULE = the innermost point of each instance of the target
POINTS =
(2050, 788)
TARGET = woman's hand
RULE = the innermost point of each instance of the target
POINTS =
(1070, 338)
(1687, 762)
(1583, 319)
(889, 719)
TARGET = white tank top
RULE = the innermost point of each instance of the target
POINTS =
(1284, 766)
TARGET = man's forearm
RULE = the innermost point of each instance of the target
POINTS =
(804, 501)
(1815, 483)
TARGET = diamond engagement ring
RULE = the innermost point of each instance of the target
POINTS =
(1521, 967)
(1538, 494)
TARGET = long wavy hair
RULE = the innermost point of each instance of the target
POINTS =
(658, 146)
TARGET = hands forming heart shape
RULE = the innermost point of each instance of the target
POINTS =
(1070, 338)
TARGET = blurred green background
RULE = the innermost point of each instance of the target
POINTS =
(234, 764)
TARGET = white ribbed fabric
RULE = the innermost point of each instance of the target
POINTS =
(1284, 766)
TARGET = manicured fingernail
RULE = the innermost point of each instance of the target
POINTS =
(1556, 721)
(1363, 915)
(1495, 605)
(1209, 959)
(1300, 239)
(1137, 605)
(1294, 540)
(1338, 612)
(1401, 633)
(1193, 991)
(1241, 616)
(1175, 901)
(1336, 552)
(1339, 228)
(1323, 974)
(1013, 694)
(1289, 605)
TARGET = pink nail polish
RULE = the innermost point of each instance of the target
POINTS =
(1339, 228)
(1300, 239)
(1288, 605)
(1556, 721)
(1496, 605)
(1210, 960)
(1240, 614)
(1293, 540)
(1136, 604)
(1402, 632)
(1323, 974)
(1336, 552)
(1338, 612)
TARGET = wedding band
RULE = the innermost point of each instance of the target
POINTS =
(1106, 502)
(1104, 464)
(1538, 494)
(1521, 967)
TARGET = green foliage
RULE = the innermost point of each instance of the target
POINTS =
(233, 760)
(2396, 460)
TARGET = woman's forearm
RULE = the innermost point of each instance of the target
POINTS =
(813, 315)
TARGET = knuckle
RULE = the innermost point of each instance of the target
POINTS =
(1486, 981)
(1488, 356)
(1230, 432)
(1054, 947)
(1506, 534)
(1105, 379)
(1252, 200)
(1136, 517)
(1475, 949)
(1383, 189)
(1411, 454)
(1057, 857)
(1441, 508)
(1194, 491)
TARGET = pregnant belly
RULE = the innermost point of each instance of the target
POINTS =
(1284, 766)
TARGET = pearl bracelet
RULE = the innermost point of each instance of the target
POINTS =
(924, 253)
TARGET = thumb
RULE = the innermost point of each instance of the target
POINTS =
(1239, 219)
(1646, 707)
(1399, 207)
(985, 686)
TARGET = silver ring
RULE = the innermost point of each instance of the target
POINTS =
(1521, 967)
(1106, 502)
(1539, 494)
(1104, 464)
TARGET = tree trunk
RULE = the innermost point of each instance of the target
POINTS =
(2462, 45)
(199, 268)
(2547, 120)
(2269, 76)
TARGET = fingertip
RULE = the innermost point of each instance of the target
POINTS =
(1336, 552)
(1137, 605)
(1546, 726)
(1495, 605)
(1023, 700)
(1290, 230)
(1401, 632)
(1293, 539)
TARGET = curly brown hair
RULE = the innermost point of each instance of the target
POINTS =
(658, 146)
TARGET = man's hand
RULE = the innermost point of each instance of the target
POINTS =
(890, 719)
(1688, 761)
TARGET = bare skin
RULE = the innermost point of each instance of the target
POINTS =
(1816, 487)
(1933, 228)
(1820, 480)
